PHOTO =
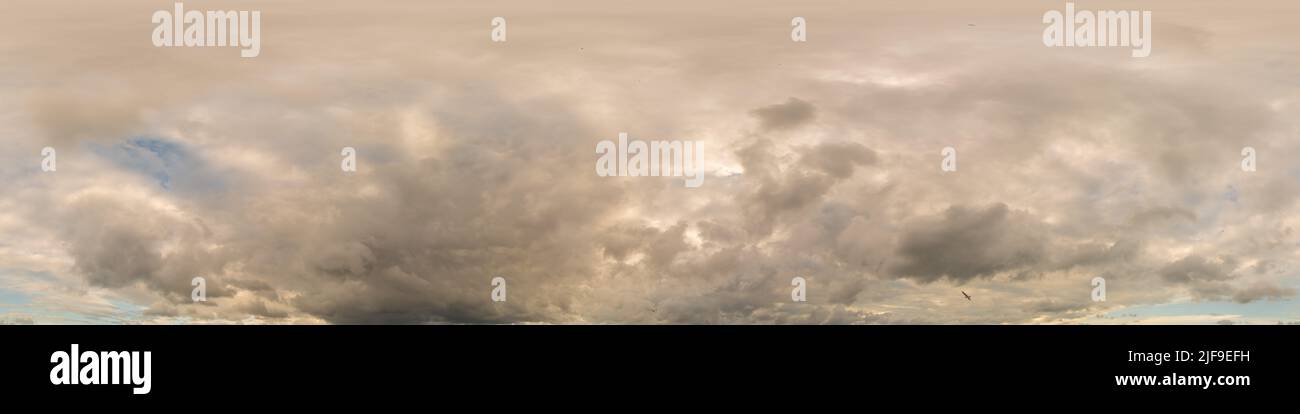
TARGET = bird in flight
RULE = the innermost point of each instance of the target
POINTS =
(963, 293)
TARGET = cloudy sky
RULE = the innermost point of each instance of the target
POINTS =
(822, 160)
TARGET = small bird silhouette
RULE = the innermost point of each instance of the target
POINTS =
(963, 293)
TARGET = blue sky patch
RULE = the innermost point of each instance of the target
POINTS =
(170, 163)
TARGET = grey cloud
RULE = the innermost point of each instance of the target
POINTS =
(1262, 291)
(837, 159)
(1094, 254)
(16, 319)
(791, 113)
(782, 190)
(1055, 306)
(1218, 279)
(1156, 215)
(1194, 268)
(116, 243)
(964, 243)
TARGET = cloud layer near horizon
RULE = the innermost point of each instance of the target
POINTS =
(476, 160)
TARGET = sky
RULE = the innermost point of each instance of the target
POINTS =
(823, 159)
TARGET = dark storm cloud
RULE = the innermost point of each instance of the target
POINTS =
(964, 243)
(791, 113)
